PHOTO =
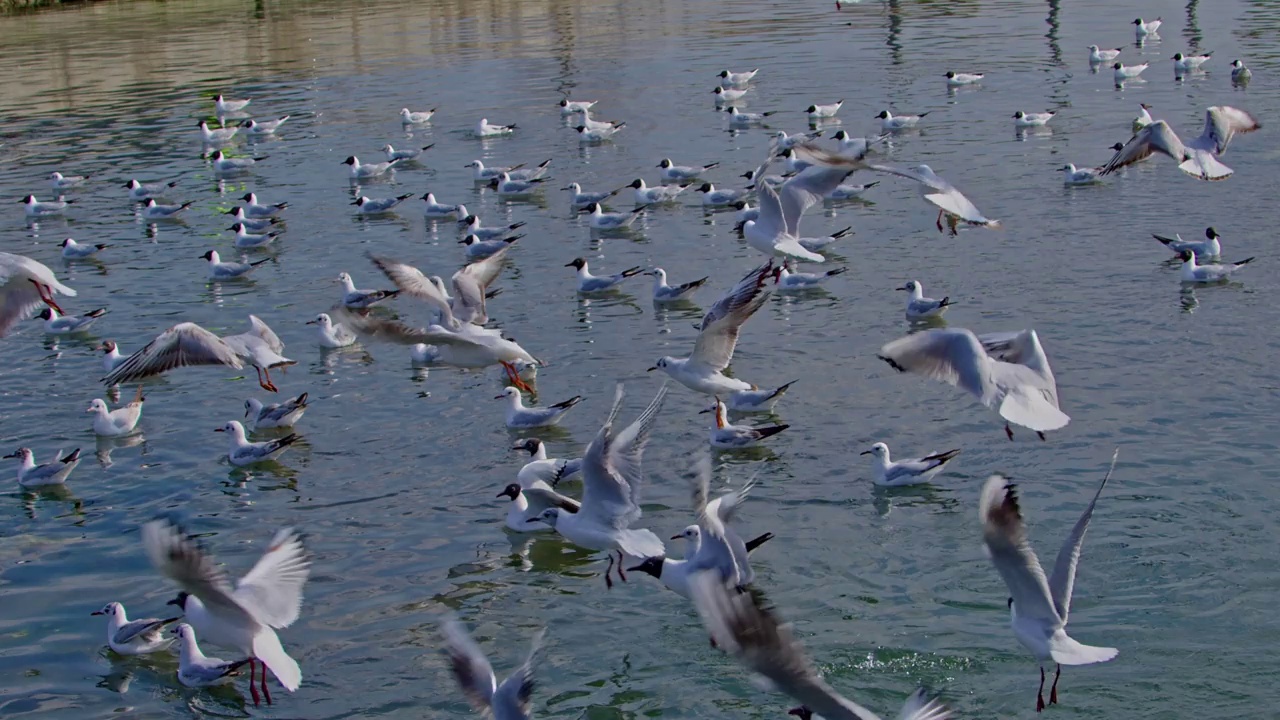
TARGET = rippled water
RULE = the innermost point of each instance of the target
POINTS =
(395, 481)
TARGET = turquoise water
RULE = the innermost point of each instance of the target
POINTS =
(394, 482)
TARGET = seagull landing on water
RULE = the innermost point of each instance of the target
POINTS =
(662, 292)
(1197, 157)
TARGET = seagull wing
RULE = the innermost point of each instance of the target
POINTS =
(18, 296)
(606, 496)
(131, 630)
(412, 282)
(181, 559)
(1005, 535)
(515, 694)
(265, 333)
(719, 327)
(1222, 122)
(953, 356)
(272, 590)
(470, 667)
(182, 345)
(541, 498)
(1157, 137)
(1063, 579)
(472, 282)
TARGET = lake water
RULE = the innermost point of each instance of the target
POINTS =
(395, 481)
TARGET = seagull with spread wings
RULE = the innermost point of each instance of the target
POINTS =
(1198, 157)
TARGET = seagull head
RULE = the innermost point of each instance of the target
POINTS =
(108, 346)
(96, 406)
(507, 392)
(530, 446)
(884, 115)
(879, 450)
(323, 320)
(183, 631)
(638, 183)
(665, 163)
(577, 263)
(802, 712)
(110, 609)
(21, 454)
(1117, 66)
(351, 160)
(692, 533)
(909, 287)
(511, 491)
(650, 566)
(180, 600)
(662, 364)
(1211, 234)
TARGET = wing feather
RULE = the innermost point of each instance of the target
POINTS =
(1063, 579)
(182, 345)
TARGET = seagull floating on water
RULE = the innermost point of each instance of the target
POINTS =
(245, 453)
(275, 415)
(890, 122)
(726, 436)
(58, 324)
(50, 473)
(920, 307)
(263, 127)
(1210, 247)
(134, 637)
(485, 129)
(906, 472)
(49, 208)
(1193, 272)
(662, 292)
(195, 670)
(409, 117)
(72, 250)
(588, 283)
(1024, 120)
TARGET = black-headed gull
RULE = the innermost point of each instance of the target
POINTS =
(508, 701)
(111, 357)
(601, 220)
(737, 78)
(1072, 175)
(672, 172)
(739, 119)
(48, 208)
(478, 249)
(1240, 73)
(785, 277)
(703, 370)
(818, 112)
(252, 225)
(711, 197)
(275, 415)
(56, 324)
(1124, 72)
(588, 283)
(219, 270)
(528, 500)
(225, 165)
(141, 191)
(519, 416)
(54, 472)
(134, 637)
(152, 210)
(1098, 56)
(581, 197)
(364, 171)
(216, 136)
(1007, 372)
(662, 292)
(1038, 605)
(72, 250)
(891, 123)
(263, 127)
(726, 436)
(920, 307)
(267, 598)
(569, 107)
(244, 453)
(434, 209)
(185, 344)
(480, 173)
(1025, 119)
(728, 94)
(1197, 157)
(1183, 63)
(906, 472)
(471, 226)
(541, 467)
(25, 284)
(1151, 27)
(646, 195)
(956, 79)
(1193, 272)
(225, 106)
(595, 135)
(195, 670)
(258, 210)
(486, 129)
(332, 335)
(719, 547)
(612, 478)
(776, 230)
(741, 624)
(358, 299)
(674, 573)
(1210, 247)
(375, 206)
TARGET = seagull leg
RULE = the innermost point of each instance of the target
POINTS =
(621, 575)
(263, 681)
(1042, 437)
(268, 385)
(953, 222)
(514, 376)
(253, 689)
(1008, 431)
(1040, 693)
(1053, 692)
(47, 296)
(607, 582)
(939, 221)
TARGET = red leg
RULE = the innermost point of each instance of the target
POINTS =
(47, 296)
(268, 385)
(939, 221)
(607, 582)
(1053, 693)
(1008, 431)
(953, 222)
(253, 689)
(1040, 693)
(621, 575)
(514, 376)
(263, 680)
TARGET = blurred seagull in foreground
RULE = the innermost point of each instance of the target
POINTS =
(24, 285)
(509, 701)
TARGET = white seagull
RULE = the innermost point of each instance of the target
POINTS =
(726, 436)
(662, 292)
(216, 136)
(1198, 157)
(920, 307)
(646, 195)
(225, 106)
(71, 250)
(263, 127)
(508, 701)
(588, 283)
(1183, 63)
(786, 278)
(906, 472)
(228, 165)
(58, 181)
(133, 637)
(141, 191)
(1007, 372)
(364, 171)
(891, 123)
(1024, 120)
(956, 79)
(1038, 605)
(1072, 175)
(936, 191)
(48, 208)
(243, 452)
(485, 129)
(119, 422)
(409, 117)
(54, 472)
(358, 299)
(674, 173)
(601, 220)
(1098, 56)
(185, 344)
(152, 210)
(1127, 72)
(519, 416)
(394, 154)
(776, 231)
(195, 670)
(219, 270)
(1193, 272)
(332, 335)
(55, 324)
(267, 598)
(276, 415)
(1210, 247)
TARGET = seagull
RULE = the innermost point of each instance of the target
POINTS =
(569, 107)
(1210, 247)
(756, 401)
(484, 129)
(276, 415)
(857, 148)
(588, 283)
(244, 453)
(471, 226)
(408, 117)
(529, 500)
(133, 637)
(1195, 273)
(590, 135)
(152, 210)
(71, 250)
(739, 119)
(225, 106)
(1146, 28)
(185, 344)
(219, 270)
(48, 208)
(254, 209)
(612, 477)
(646, 195)
(786, 142)
(662, 292)
(55, 324)
(252, 225)
(245, 618)
(376, 206)
(216, 136)
(507, 185)
(194, 669)
(906, 472)
(50, 473)
(24, 285)
(703, 370)
(1198, 157)
(737, 78)
(1240, 73)
(261, 348)
(581, 197)
(741, 624)
(357, 299)
(674, 173)
(141, 191)
(717, 546)
(435, 209)
(1098, 56)
(1072, 175)
(1025, 120)
(674, 574)
(111, 355)
(508, 701)
(955, 79)
(364, 171)
(519, 416)
(1007, 372)
(480, 249)
(485, 174)
(394, 154)
(601, 220)
(470, 287)
(332, 335)
(785, 278)
(1038, 605)
(737, 437)
(728, 94)
(890, 123)
(1184, 63)
(943, 195)
(263, 127)
(1127, 72)
(119, 422)
(920, 307)
(58, 181)
(818, 112)
(540, 467)
(711, 197)
(228, 165)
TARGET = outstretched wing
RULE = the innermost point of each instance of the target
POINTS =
(272, 590)
(181, 345)
(719, 328)
(1157, 137)
(1063, 579)
(1222, 122)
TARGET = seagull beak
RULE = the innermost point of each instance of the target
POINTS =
(310, 322)
(498, 397)
(904, 287)
(219, 430)
(97, 612)
(676, 537)
(865, 452)
(533, 520)
(655, 367)
(704, 412)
